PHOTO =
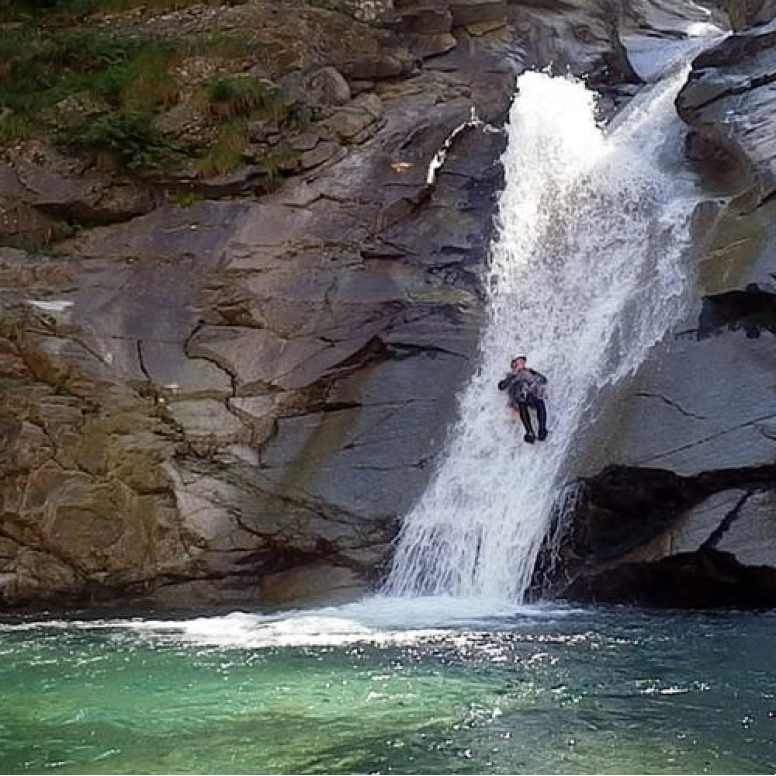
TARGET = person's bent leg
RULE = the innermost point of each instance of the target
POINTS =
(541, 416)
(522, 408)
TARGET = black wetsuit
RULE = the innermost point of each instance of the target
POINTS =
(526, 389)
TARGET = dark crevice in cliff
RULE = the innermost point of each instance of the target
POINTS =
(327, 296)
(624, 508)
(767, 199)
(394, 403)
(457, 274)
(752, 310)
(671, 403)
(420, 464)
(319, 196)
(82, 215)
(768, 433)
(722, 479)
(726, 522)
(402, 350)
(5, 534)
(133, 338)
(704, 579)
(141, 362)
(187, 352)
(140, 589)
(272, 560)
(392, 249)
(456, 174)
(332, 407)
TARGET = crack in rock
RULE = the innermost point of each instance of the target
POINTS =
(671, 403)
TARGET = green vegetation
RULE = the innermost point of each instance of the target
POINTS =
(32, 245)
(13, 384)
(280, 160)
(234, 96)
(97, 92)
(124, 138)
(230, 149)
(69, 10)
(114, 71)
(227, 152)
(124, 81)
(235, 101)
(185, 199)
(14, 127)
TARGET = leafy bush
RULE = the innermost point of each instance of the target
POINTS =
(124, 137)
(227, 153)
(234, 96)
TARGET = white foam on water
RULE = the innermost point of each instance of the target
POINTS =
(378, 620)
(651, 59)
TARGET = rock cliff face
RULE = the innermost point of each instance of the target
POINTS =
(686, 513)
(227, 387)
(743, 13)
(226, 383)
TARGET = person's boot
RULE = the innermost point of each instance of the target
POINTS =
(542, 434)
(529, 437)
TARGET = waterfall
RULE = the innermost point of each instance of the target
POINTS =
(587, 273)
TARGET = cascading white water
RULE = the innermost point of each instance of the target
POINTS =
(586, 275)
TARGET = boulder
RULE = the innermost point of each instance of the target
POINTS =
(465, 12)
(327, 87)
(66, 189)
(729, 99)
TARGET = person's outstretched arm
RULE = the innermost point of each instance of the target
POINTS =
(502, 384)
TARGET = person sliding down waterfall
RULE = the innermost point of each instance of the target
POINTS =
(526, 388)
